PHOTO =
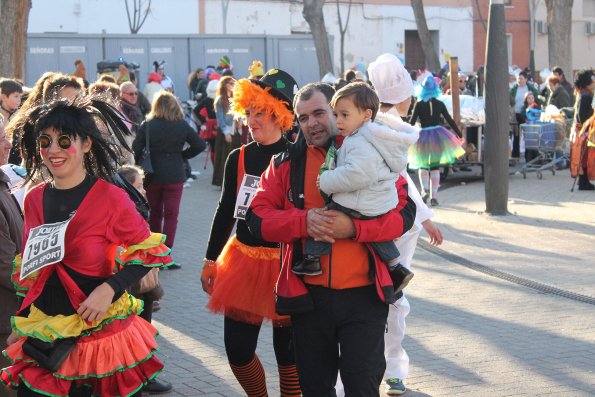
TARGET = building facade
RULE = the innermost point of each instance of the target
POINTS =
(375, 26)
(458, 27)
(518, 32)
(583, 36)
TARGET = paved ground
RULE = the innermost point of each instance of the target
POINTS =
(468, 333)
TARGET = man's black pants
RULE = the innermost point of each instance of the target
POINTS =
(344, 332)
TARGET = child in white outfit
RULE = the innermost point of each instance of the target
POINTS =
(368, 164)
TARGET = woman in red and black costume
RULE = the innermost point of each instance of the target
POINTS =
(582, 144)
(79, 298)
(240, 272)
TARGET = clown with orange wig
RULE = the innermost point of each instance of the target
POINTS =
(240, 271)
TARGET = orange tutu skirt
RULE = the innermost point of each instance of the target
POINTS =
(116, 360)
(244, 288)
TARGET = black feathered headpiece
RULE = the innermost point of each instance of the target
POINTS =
(83, 117)
(158, 64)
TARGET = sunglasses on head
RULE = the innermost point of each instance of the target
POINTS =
(45, 141)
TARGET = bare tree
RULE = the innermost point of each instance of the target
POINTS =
(483, 22)
(313, 14)
(224, 8)
(14, 19)
(559, 40)
(342, 31)
(427, 44)
(139, 16)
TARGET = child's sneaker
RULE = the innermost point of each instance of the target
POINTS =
(401, 277)
(394, 387)
(309, 266)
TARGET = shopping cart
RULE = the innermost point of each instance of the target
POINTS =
(547, 140)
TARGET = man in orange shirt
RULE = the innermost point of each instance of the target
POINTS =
(339, 316)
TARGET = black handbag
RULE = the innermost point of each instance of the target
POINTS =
(145, 158)
(49, 355)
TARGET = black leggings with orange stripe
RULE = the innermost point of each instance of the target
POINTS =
(241, 339)
(240, 344)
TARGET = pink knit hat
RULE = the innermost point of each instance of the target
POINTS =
(391, 80)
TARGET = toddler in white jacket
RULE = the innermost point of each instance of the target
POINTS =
(368, 163)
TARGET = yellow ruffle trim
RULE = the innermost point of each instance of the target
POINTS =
(44, 327)
(154, 240)
(150, 253)
(22, 286)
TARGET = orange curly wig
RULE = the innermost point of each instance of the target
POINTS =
(249, 95)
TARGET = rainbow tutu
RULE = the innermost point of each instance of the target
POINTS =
(436, 146)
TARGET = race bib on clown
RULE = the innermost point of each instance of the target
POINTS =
(45, 246)
(245, 195)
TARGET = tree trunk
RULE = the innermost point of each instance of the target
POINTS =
(427, 44)
(313, 15)
(14, 17)
(559, 40)
(7, 33)
(20, 40)
(224, 8)
(343, 31)
(497, 114)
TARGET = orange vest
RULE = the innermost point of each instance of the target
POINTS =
(347, 266)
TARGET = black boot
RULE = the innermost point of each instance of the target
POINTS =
(309, 266)
(401, 277)
(156, 386)
(584, 183)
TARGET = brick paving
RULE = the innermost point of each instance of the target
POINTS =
(468, 333)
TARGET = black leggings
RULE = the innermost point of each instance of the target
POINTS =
(24, 391)
(241, 339)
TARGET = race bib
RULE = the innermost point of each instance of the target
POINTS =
(245, 195)
(45, 246)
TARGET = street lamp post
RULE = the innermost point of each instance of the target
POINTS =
(532, 36)
(497, 113)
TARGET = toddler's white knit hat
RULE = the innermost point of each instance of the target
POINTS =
(390, 79)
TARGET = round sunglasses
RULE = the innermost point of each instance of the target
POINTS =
(45, 141)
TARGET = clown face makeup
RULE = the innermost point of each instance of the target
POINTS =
(65, 162)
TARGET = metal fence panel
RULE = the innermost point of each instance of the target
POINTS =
(297, 56)
(241, 50)
(58, 54)
(145, 50)
(182, 53)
